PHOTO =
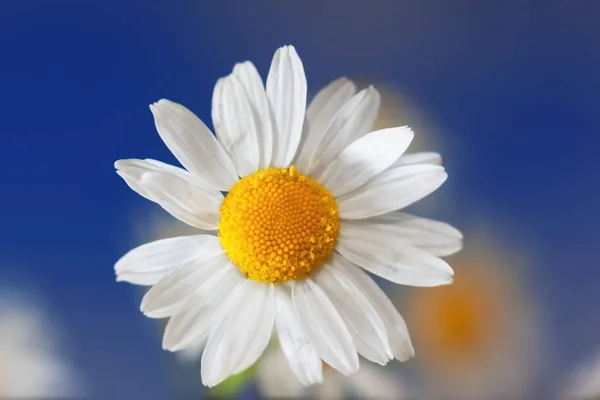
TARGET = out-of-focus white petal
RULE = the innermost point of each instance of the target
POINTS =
(397, 331)
(324, 326)
(241, 337)
(150, 262)
(362, 321)
(393, 189)
(236, 124)
(286, 91)
(165, 298)
(395, 261)
(354, 120)
(319, 114)
(301, 355)
(191, 204)
(365, 158)
(584, 382)
(255, 90)
(436, 237)
(194, 145)
(31, 364)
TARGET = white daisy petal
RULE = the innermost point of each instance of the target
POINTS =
(324, 326)
(397, 331)
(319, 114)
(148, 263)
(132, 170)
(255, 91)
(194, 145)
(191, 204)
(203, 310)
(365, 326)
(241, 337)
(286, 91)
(419, 158)
(354, 120)
(436, 237)
(236, 124)
(165, 298)
(393, 260)
(365, 158)
(301, 355)
(393, 189)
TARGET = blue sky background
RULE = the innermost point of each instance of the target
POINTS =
(514, 85)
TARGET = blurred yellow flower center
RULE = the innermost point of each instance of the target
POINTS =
(278, 225)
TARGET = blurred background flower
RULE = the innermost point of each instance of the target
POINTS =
(480, 337)
(275, 380)
(31, 362)
(582, 382)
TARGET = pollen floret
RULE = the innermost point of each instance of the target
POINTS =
(278, 225)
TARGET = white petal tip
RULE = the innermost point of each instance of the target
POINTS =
(168, 346)
(122, 174)
(119, 164)
(404, 357)
(385, 362)
(211, 383)
(312, 382)
(443, 176)
(154, 314)
(449, 279)
(349, 372)
(405, 354)
(157, 105)
(355, 367)
(145, 309)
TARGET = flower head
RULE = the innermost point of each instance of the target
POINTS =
(311, 198)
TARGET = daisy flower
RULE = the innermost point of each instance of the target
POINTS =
(299, 202)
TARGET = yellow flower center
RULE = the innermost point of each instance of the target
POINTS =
(278, 225)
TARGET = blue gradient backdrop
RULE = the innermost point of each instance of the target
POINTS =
(515, 86)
